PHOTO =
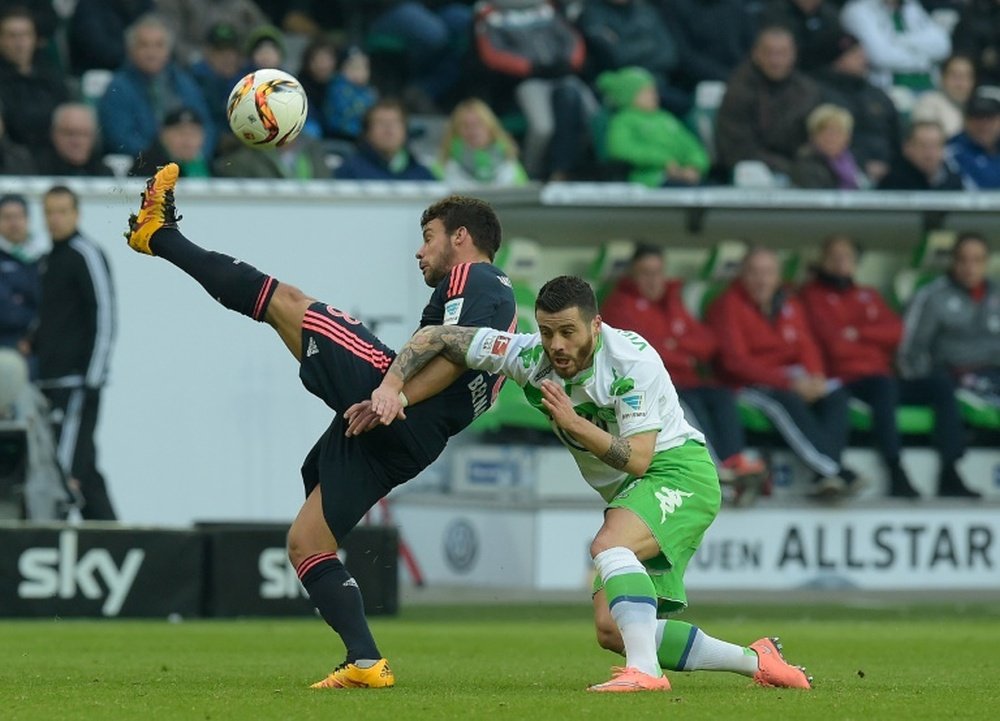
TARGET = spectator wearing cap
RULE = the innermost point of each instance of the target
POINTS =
(20, 287)
(145, 89)
(903, 42)
(29, 90)
(220, 68)
(976, 150)
(843, 81)
(181, 140)
(923, 164)
(763, 113)
(14, 159)
(96, 32)
(655, 145)
(826, 160)
(266, 48)
(349, 95)
(190, 21)
(815, 25)
(946, 105)
(75, 143)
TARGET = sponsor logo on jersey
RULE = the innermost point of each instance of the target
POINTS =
(633, 405)
(312, 349)
(504, 280)
(487, 345)
(500, 345)
(620, 385)
(452, 311)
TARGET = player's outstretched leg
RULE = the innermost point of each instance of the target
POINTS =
(236, 285)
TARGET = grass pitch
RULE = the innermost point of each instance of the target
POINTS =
(513, 662)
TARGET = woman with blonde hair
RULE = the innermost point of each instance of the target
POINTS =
(476, 150)
(826, 161)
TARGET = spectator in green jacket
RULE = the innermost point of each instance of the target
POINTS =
(659, 148)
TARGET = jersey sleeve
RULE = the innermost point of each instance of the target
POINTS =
(514, 355)
(640, 409)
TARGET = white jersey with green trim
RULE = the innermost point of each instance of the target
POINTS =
(626, 391)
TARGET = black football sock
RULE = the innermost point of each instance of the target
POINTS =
(336, 594)
(235, 284)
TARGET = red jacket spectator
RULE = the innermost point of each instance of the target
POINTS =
(685, 344)
(856, 330)
(758, 350)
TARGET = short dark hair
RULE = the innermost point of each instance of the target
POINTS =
(829, 240)
(383, 104)
(775, 28)
(567, 291)
(966, 237)
(17, 198)
(63, 190)
(20, 12)
(477, 216)
(644, 249)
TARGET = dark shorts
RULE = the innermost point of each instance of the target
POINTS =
(342, 363)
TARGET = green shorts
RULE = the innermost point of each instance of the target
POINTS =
(677, 499)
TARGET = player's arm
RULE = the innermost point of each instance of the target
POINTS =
(438, 374)
(450, 342)
(631, 454)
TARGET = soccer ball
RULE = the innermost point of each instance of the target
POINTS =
(267, 108)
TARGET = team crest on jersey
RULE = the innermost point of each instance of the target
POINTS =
(452, 311)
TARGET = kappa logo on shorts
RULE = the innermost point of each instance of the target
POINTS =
(312, 349)
(670, 500)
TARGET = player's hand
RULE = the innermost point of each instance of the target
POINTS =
(360, 418)
(559, 406)
(387, 405)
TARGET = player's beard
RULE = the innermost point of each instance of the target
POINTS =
(578, 361)
(436, 272)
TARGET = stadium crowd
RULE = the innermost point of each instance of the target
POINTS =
(887, 94)
(893, 94)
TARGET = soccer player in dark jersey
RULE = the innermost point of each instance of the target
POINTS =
(342, 362)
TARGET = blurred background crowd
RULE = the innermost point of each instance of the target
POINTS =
(892, 94)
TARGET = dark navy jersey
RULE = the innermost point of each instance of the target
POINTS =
(473, 295)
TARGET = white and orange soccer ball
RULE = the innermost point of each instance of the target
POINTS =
(267, 108)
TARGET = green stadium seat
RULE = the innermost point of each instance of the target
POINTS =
(911, 420)
(977, 412)
(607, 267)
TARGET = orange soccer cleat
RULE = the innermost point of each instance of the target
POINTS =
(773, 670)
(631, 680)
(349, 675)
(157, 209)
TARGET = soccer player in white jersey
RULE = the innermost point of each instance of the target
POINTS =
(612, 404)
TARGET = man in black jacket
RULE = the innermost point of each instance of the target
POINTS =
(923, 165)
(73, 344)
